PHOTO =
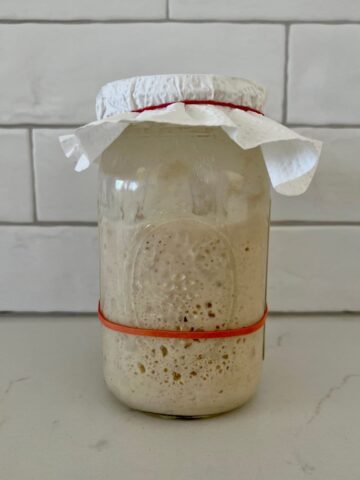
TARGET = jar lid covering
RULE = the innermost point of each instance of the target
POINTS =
(290, 158)
(140, 92)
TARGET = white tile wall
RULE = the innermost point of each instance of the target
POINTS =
(61, 193)
(314, 269)
(265, 10)
(82, 9)
(69, 63)
(51, 72)
(16, 197)
(48, 269)
(324, 74)
(56, 269)
(334, 194)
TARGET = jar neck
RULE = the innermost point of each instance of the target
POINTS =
(153, 129)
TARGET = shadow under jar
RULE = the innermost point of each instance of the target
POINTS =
(184, 223)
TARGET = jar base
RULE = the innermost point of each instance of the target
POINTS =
(174, 416)
(181, 417)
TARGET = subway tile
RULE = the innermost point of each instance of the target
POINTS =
(48, 269)
(264, 10)
(61, 193)
(16, 198)
(334, 194)
(324, 74)
(314, 269)
(59, 84)
(82, 10)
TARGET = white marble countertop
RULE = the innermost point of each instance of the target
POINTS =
(58, 421)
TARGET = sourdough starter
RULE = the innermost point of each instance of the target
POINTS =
(191, 272)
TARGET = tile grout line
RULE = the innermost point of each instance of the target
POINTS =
(92, 313)
(329, 125)
(38, 126)
(286, 74)
(167, 9)
(313, 223)
(274, 223)
(54, 223)
(59, 126)
(33, 177)
(40, 21)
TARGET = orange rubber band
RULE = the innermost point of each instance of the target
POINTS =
(152, 332)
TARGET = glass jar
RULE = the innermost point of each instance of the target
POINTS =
(184, 223)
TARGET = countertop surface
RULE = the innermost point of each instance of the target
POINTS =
(58, 421)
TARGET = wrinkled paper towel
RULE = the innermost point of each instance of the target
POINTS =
(290, 158)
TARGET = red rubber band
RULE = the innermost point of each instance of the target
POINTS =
(152, 332)
(245, 108)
